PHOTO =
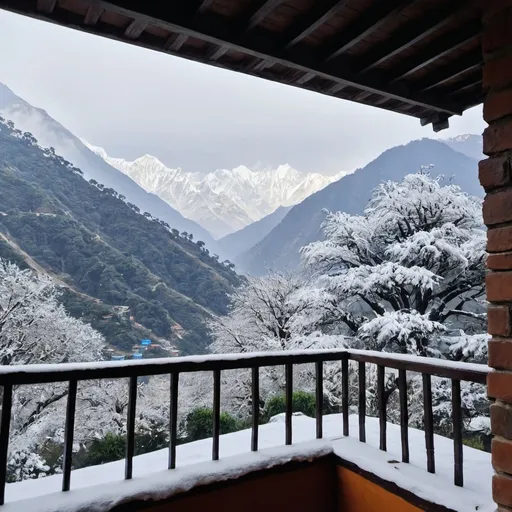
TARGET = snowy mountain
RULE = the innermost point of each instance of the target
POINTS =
(469, 144)
(223, 201)
(280, 248)
(51, 133)
(240, 241)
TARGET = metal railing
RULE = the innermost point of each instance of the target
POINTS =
(11, 376)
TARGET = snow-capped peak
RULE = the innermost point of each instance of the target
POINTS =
(224, 200)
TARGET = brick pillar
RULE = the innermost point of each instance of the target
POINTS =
(496, 177)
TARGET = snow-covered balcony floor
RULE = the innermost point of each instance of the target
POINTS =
(99, 488)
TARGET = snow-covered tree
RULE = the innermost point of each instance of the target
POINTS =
(272, 313)
(406, 275)
(408, 269)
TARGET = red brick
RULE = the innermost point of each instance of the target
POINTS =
(501, 420)
(499, 239)
(496, 33)
(499, 286)
(500, 261)
(497, 207)
(497, 72)
(499, 321)
(502, 490)
(498, 135)
(499, 385)
(502, 455)
(496, 171)
(498, 104)
(500, 353)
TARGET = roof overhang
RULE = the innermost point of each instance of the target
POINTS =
(421, 58)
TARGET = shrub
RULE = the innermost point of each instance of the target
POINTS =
(301, 402)
(199, 424)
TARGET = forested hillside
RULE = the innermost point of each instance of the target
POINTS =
(90, 238)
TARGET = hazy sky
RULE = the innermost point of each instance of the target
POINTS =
(133, 101)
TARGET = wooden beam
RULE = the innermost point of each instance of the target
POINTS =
(204, 5)
(335, 89)
(46, 6)
(93, 14)
(258, 12)
(412, 34)
(439, 48)
(310, 21)
(368, 22)
(177, 43)
(305, 78)
(217, 53)
(469, 62)
(135, 29)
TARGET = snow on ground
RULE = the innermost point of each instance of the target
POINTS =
(153, 481)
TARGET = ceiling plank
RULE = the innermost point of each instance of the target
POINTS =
(367, 23)
(306, 24)
(439, 48)
(411, 34)
(93, 14)
(134, 29)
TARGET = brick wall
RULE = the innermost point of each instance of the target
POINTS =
(496, 177)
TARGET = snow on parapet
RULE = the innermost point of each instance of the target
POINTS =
(100, 488)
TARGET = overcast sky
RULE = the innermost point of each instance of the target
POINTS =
(133, 101)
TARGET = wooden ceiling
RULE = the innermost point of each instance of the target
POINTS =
(417, 57)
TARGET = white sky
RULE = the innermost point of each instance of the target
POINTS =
(133, 101)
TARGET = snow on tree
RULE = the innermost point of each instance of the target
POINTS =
(406, 274)
(272, 313)
(408, 269)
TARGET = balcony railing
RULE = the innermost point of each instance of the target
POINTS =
(11, 376)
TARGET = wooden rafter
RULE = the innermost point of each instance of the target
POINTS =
(178, 42)
(93, 14)
(135, 29)
(204, 5)
(438, 49)
(469, 62)
(258, 12)
(310, 21)
(411, 34)
(367, 23)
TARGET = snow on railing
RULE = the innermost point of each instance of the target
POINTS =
(74, 372)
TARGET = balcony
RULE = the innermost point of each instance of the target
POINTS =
(344, 461)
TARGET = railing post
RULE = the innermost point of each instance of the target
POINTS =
(289, 402)
(5, 424)
(68, 435)
(130, 428)
(255, 396)
(404, 414)
(458, 476)
(344, 396)
(382, 406)
(216, 414)
(429, 422)
(362, 402)
(173, 419)
(319, 370)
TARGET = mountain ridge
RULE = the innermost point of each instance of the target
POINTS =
(50, 133)
(279, 249)
(225, 200)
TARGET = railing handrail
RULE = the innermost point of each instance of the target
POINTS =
(63, 372)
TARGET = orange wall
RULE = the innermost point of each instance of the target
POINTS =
(304, 487)
(357, 494)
